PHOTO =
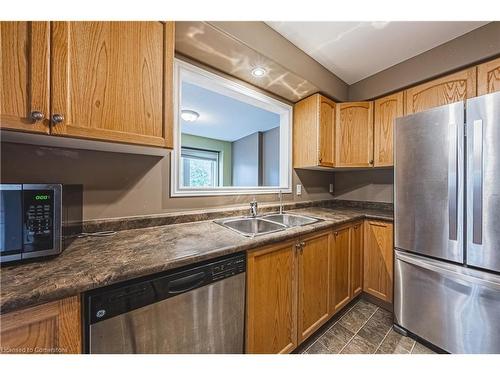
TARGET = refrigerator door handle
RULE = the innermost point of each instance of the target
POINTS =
(449, 271)
(453, 182)
(477, 182)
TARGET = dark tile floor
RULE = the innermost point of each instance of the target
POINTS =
(362, 328)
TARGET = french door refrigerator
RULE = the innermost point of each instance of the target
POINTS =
(447, 225)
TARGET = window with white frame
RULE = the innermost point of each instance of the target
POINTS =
(199, 168)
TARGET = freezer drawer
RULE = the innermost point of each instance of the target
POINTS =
(452, 307)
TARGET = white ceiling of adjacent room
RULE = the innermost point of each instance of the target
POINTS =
(356, 50)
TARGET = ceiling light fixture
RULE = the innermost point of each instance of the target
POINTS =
(189, 116)
(259, 72)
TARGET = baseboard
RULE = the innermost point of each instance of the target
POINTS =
(377, 301)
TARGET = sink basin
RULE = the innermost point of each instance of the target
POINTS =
(291, 220)
(251, 226)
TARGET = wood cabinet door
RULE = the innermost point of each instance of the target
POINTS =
(51, 328)
(386, 110)
(313, 283)
(272, 299)
(326, 132)
(354, 134)
(24, 76)
(378, 259)
(113, 81)
(356, 246)
(340, 269)
(452, 88)
(488, 77)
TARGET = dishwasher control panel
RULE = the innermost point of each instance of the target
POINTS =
(228, 268)
(107, 302)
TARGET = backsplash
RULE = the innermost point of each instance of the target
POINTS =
(137, 222)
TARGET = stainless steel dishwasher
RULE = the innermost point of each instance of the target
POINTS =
(199, 309)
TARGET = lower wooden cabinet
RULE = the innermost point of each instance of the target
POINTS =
(294, 287)
(50, 328)
(272, 299)
(346, 265)
(378, 259)
(339, 266)
(287, 293)
(313, 283)
(356, 284)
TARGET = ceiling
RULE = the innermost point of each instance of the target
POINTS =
(223, 117)
(356, 50)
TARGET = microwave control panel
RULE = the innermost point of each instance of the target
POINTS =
(38, 220)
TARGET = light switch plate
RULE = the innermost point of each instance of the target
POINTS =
(298, 191)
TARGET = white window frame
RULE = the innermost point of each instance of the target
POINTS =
(243, 93)
(193, 151)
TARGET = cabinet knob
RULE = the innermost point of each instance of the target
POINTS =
(57, 118)
(302, 244)
(37, 116)
(371, 162)
(336, 233)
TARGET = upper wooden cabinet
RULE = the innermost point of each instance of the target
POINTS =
(109, 81)
(488, 77)
(386, 110)
(24, 76)
(314, 132)
(272, 299)
(313, 284)
(51, 328)
(378, 259)
(354, 134)
(452, 88)
(112, 80)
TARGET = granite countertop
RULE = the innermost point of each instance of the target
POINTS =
(93, 262)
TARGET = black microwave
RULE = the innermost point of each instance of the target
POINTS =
(38, 220)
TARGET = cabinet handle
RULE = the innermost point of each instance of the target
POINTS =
(297, 246)
(37, 116)
(57, 118)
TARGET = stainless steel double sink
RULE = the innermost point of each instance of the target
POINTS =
(259, 225)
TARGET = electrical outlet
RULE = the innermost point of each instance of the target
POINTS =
(298, 191)
(331, 188)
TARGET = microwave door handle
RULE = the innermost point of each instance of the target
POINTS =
(453, 181)
(477, 182)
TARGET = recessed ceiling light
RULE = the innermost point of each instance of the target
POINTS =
(259, 72)
(189, 116)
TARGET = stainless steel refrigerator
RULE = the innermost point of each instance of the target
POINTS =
(447, 225)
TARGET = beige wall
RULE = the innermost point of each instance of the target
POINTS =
(468, 49)
(373, 186)
(118, 185)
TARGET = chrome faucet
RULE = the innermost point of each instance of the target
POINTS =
(281, 201)
(253, 208)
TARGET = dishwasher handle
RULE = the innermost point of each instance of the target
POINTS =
(186, 283)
